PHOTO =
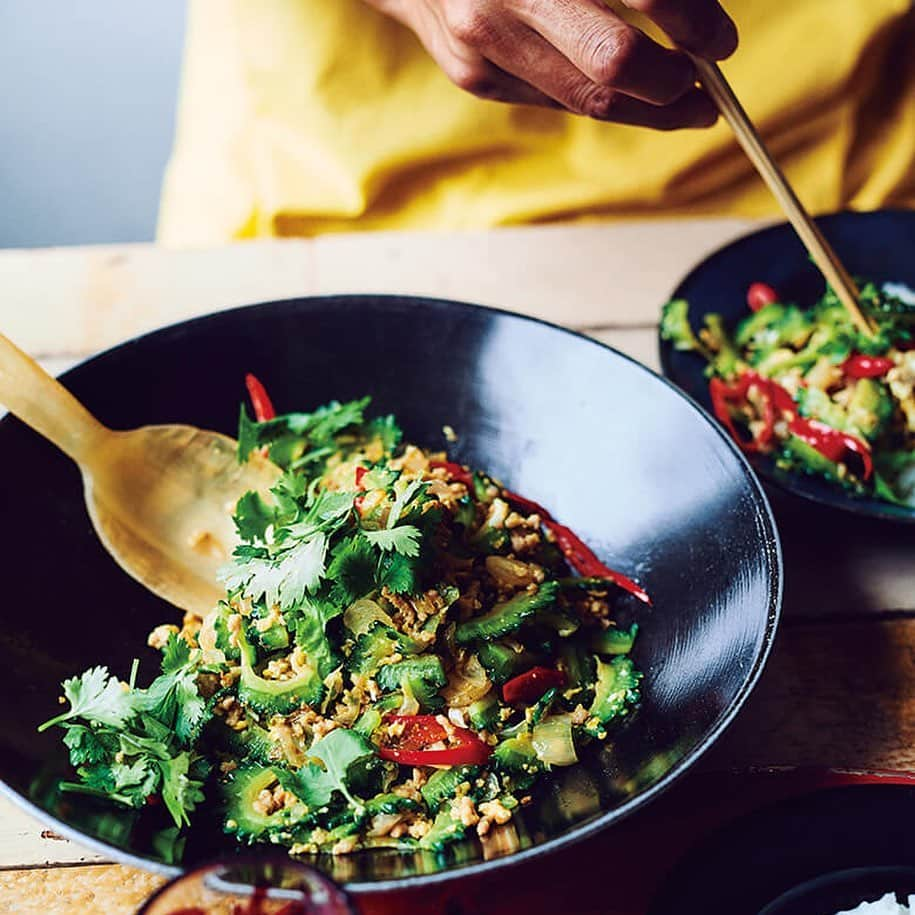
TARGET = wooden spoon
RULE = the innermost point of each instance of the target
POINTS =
(160, 497)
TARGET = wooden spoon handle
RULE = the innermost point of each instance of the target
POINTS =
(41, 402)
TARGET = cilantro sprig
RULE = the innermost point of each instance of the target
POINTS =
(130, 744)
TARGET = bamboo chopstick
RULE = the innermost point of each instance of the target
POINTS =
(820, 250)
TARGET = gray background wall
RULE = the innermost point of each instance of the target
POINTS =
(86, 117)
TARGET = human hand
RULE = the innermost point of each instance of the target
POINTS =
(575, 54)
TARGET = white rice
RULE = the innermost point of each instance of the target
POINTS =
(886, 905)
(900, 291)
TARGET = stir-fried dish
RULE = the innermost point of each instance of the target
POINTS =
(807, 387)
(405, 650)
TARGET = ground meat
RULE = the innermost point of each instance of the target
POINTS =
(233, 712)
(492, 812)
(273, 618)
(524, 543)
(159, 637)
(270, 800)
(307, 724)
(227, 678)
(409, 614)
(190, 628)
(345, 846)
(407, 789)
(413, 461)
(579, 714)
(463, 809)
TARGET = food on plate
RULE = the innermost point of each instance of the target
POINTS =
(885, 905)
(405, 650)
(805, 386)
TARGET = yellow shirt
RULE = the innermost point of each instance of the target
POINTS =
(305, 116)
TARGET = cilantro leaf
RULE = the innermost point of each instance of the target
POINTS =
(403, 540)
(176, 654)
(248, 435)
(320, 426)
(138, 778)
(398, 574)
(84, 745)
(95, 696)
(385, 429)
(252, 517)
(352, 570)
(302, 569)
(173, 698)
(284, 580)
(401, 503)
(180, 792)
(335, 753)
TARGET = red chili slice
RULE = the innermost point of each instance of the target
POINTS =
(527, 688)
(583, 560)
(831, 443)
(419, 731)
(860, 366)
(457, 473)
(576, 552)
(759, 295)
(260, 399)
(724, 396)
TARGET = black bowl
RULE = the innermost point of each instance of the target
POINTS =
(878, 246)
(818, 854)
(613, 450)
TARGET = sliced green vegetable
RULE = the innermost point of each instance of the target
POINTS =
(508, 616)
(616, 694)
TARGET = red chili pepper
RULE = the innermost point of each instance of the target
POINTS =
(860, 366)
(455, 471)
(527, 688)
(723, 395)
(419, 731)
(260, 399)
(759, 295)
(831, 443)
(583, 560)
(576, 552)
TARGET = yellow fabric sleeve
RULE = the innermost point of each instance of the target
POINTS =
(305, 116)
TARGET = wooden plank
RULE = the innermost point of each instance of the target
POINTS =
(833, 694)
(582, 276)
(98, 890)
(78, 300)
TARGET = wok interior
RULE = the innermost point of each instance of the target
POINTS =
(613, 451)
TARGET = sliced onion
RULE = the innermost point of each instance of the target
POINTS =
(409, 704)
(509, 573)
(552, 741)
(363, 614)
(466, 683)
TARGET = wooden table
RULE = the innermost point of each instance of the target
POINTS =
(839, 689)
